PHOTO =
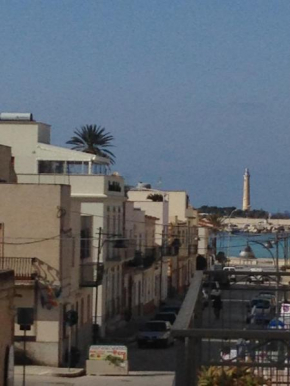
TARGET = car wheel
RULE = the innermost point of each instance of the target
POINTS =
(165, 343)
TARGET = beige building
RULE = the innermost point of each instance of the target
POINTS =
(177, 232)
(142, 275)
(41, 237)
(101, 196)
(159, 210)
(7, 327)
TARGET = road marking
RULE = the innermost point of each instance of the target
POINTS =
(236, 300)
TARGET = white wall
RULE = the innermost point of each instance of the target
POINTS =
(159, 210)
(23, 139)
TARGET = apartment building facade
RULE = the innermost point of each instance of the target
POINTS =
(100, 195)
(41, 238)
(142, 275)
(177, 232)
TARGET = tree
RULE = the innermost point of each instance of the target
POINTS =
(156, 197)
(216, 221)
(94, 140)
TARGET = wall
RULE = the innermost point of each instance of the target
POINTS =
(6, 320)
(203, 235)
(23, 138)
(32, 218)
(177, 205)
(43, 221)
(159, 210)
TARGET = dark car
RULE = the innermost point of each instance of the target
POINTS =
(155, 332)
(166, 317)
(174, 309)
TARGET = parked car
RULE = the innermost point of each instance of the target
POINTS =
(258, 299)
(232, 276)
(166, 317)
(262, 312)
(268, 295)
(155, 332)
(256, 278)
(174, 309)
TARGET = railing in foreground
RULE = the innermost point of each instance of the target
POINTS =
(238, 340)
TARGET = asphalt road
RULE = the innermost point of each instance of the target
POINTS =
(152, 359)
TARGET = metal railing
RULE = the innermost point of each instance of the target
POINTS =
(238, 337)
(91, 274)
(23, 267)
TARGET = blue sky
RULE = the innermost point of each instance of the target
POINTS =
(193, 91)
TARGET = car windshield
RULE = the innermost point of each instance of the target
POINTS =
(262, 303)
(155, 326)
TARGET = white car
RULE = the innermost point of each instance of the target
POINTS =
(256, 278)
(232, 276)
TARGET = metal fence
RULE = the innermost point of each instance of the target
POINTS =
(247, 331)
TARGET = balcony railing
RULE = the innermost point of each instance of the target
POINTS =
(23, 267)
(91, 274)
(122, 249)
(239, 339)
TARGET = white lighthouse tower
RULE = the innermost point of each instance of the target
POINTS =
(246, 193)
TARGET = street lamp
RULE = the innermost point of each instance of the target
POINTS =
(248, 253)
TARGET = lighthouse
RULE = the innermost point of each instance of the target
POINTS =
(246, 193)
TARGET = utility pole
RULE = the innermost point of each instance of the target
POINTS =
(96, 326)
(277, 277)
(161, 267)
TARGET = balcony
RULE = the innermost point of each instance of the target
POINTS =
(86, 185)
(91, 274)
(121, 249)
(24, 267)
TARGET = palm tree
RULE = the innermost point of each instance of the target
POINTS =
(94, 140)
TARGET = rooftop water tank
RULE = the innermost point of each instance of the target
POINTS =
(142, 185)
(16, 117)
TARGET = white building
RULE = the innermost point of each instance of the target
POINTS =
(101, 196)
(178, 222)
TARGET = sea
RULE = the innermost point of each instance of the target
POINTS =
(233, 244)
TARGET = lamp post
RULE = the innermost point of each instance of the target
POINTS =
(248, 253)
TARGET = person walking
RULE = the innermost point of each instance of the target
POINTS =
(217, 305)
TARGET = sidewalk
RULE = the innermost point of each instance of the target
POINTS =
(49, 371)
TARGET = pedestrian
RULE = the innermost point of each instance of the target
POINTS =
(241, 348)
(217, 305)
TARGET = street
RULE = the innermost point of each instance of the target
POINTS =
(156, 366)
